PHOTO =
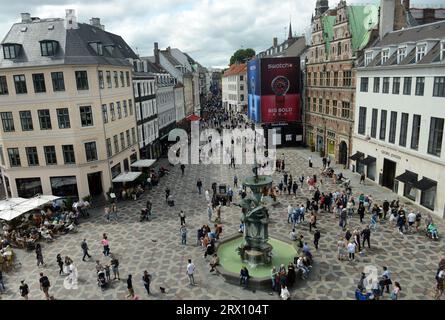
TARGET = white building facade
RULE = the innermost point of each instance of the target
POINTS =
(399, 120)
(234, 88)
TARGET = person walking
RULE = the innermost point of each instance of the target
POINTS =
(385, 280)
(295, 188)
(209, 212)
(24, 289)
(317, 237)
(361, 211)
(115, 267)
(312, 221)
(130, 287)
(182, 168)
(146, 279)
(106, 244)
(191, 271)
(289, 213)
(235, 181)
(167, 194)
(183, 232)
(182, 218)
(199, 186)
(44, 285)
(39, 255)
(366, 234)
(301, 181)
(328, 161)
(362, 178)
(351, 251)
(310, 161)
(84, 246)
(107, 212)
(396, 291)
(60, 263)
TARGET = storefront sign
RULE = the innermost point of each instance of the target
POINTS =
(386, 153)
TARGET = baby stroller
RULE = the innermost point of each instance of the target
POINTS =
(101, 280)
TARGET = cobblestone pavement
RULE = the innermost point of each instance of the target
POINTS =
(156, 246)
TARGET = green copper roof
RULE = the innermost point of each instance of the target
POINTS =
(362, 19)
(328, 31)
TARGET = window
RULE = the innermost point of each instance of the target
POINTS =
(364, 84)
(442, 51)
(116, 79)
(308, 103)
(407, 86)
(122, 140)
(97, 47)
(346, 110)
(11, 51)
(58, 81)
(420, 52)
(328, 78)
(385, 85)
(128, 137)
(133, 134)
(347, 78)
(127, 76)
(63, 118)
(320, 105)
(65, 186)
(415, 135)
(116, 144)
(385, 55)
(2, 158)
(314, 104)
(33, 158)
(374, 123)
(68, 154)
(7, 121)
(14, 157)
(44, 119)
(109, 79)
(90, 151)
(362, 121)
(26, 120)
(241, 97)
(86, 116)
(130, 106)
(124, 104)
(39, 82)
(339, 48)
(428, 197)
(393, 127)
(28, 187)
(334, 108)
(327, 107)
(105, 113)
(420, 86)
(122, 79)
(436, 136)
(383, 115)
(119, 110)
(322, 76)
(241, 78)
(309, 78)
(401, 54)
(81, 80)
(109, 150)
(3, 85)
(101, 79)
(396, 85)
(376, 85)
(439, 87)
(48, 48)
(408, 189)
(335, 78)
(368, 58)
(403, 129)
(113, 115)
(50, 155)
(20, 84)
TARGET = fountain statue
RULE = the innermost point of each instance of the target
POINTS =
(255, 248)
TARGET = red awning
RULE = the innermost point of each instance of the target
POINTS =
(193, 117)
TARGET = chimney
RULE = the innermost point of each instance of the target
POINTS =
(26, 17)
(275, 42)
(406, 5)
(70, 19)
(95, 22)
(386, 17)
(156, 52)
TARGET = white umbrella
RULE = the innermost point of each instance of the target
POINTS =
(38, 201)
(9, 214)
(11, 202)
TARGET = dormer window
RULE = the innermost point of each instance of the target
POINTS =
(368, 58)
(110, 48)
(11, 51)
(420, 52)
(401, 54)
(97, 47)
(48, 48)
(385, 55)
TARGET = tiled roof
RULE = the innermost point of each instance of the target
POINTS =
(170, 58)
(235, 69)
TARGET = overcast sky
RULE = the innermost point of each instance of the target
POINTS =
(209, 30)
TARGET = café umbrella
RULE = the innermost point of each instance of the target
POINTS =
(13, 212)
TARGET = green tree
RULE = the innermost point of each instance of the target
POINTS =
(242, 55)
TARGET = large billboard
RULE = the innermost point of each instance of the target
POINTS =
(253, 90)
(280, 90)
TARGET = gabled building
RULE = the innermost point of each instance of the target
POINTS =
(234, 88)
(67, 108)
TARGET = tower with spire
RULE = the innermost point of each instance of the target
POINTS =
(321, 7)
(290, 31)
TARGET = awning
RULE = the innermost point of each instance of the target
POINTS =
(146, 163)
(127, 177)
(369, 160)
(15, 207)
(407, 177)
(11, 202)
(425, 184)
(357, 156)
(193, 117)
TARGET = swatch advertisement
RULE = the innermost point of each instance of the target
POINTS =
(280, 90)
(253, 91)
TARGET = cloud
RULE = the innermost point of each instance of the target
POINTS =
(209, 30)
